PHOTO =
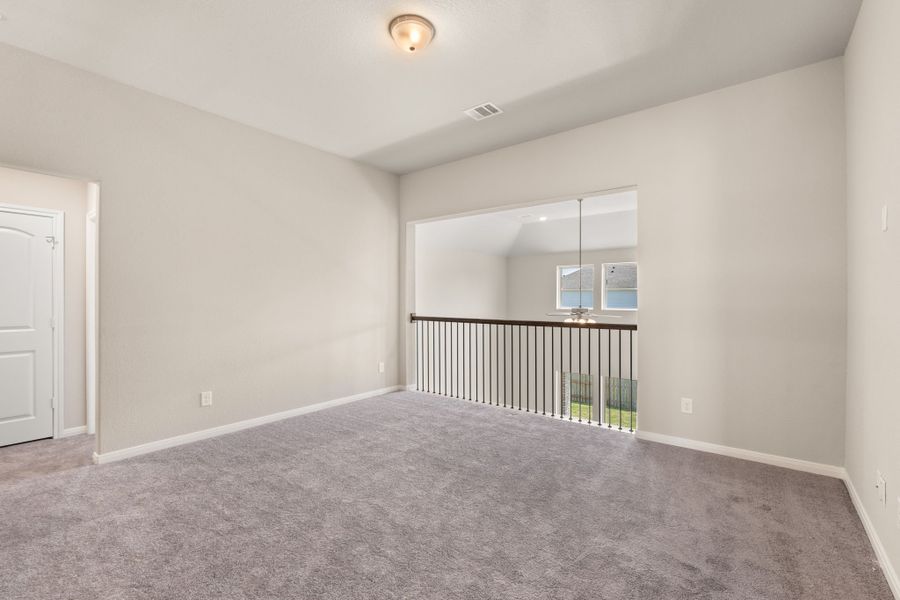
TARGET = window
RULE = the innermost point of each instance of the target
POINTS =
(573, 283)
(619, 289)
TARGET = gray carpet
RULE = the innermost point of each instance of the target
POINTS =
(413, 496)
(44, 457)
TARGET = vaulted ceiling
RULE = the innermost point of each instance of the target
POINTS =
(326, 73)
(609, 221)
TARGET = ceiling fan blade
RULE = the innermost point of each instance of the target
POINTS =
(605, 316)
(559, 314)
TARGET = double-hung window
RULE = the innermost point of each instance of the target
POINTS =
(575, 286)
(619, 289)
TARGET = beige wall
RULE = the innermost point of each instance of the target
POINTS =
(745, 186)
(230, 259)
(531, 282)
(69, 196)
(459, 283)
(873, 180)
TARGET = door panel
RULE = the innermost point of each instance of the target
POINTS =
(17, 375)
(26, 335)
(17, 308)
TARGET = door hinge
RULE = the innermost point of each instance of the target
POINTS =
(51, 240)
(52, 323)
(53, 402)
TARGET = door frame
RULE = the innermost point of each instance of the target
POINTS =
(58, 293)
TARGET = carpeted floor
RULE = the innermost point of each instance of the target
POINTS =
(44, 457)
(415, 496)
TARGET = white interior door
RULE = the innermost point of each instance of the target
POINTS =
(26, 335)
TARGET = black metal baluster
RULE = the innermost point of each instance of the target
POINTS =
(431, 357)
(503, 370)
(561, 375)
(471, 359)
(459, 362)
(590, 381)
(495, 379)
(518, 358)
(490, 364)
(619, 391)
(444, 355)
(600, 377)
(580, 376)
(438, 386)
(544, 371)
(456, 367)
(631, 411)
(609, 375)
(527, 337)
(527, 368)
(534, 371)
(483, 371)
(552, 372)
(450, 362)
(571, 356)
(561, 334)
(418, 381)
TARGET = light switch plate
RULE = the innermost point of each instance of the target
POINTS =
(205, 398)
(687, 406)
(884, 218)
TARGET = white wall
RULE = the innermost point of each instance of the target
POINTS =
(873, 180)
(224, 253)
(531, 283)
(70, 197)
(742, 252)
(458, 283)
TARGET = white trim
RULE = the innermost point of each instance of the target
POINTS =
(91, 270)
(760, 457)
(603, 286)
(559, 290)
(70, 431)
(59, 302)
(204, 434)
(881, 554)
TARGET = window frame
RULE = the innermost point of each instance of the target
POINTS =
(603, 288)
(559, 290)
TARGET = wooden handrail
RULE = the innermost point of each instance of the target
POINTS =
(618, 326)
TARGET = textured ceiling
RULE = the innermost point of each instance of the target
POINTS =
(326, 73)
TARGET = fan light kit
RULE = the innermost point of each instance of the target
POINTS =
(411, 32)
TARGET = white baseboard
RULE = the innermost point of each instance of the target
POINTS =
(760, 457)
(70, 431)
(203, 434)
(880, 553)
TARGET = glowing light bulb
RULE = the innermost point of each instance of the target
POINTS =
(411, 32)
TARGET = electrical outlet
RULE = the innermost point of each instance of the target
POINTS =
(381, 367)
(205, 398)
(687, 406)
(884, 218)
(881, 488)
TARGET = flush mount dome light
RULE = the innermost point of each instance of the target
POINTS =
(411, 32)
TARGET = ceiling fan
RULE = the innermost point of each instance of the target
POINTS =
(580, 315)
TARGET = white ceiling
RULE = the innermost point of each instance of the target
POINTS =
(326, 73)
(610, 221)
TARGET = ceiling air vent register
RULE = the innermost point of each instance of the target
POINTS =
(483, 111)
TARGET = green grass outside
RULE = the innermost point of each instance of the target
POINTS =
(627, 418)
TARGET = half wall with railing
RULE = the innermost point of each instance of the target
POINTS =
(584, 372)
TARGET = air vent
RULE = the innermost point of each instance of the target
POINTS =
(483, 111)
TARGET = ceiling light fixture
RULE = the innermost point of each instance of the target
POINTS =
(411, 32)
